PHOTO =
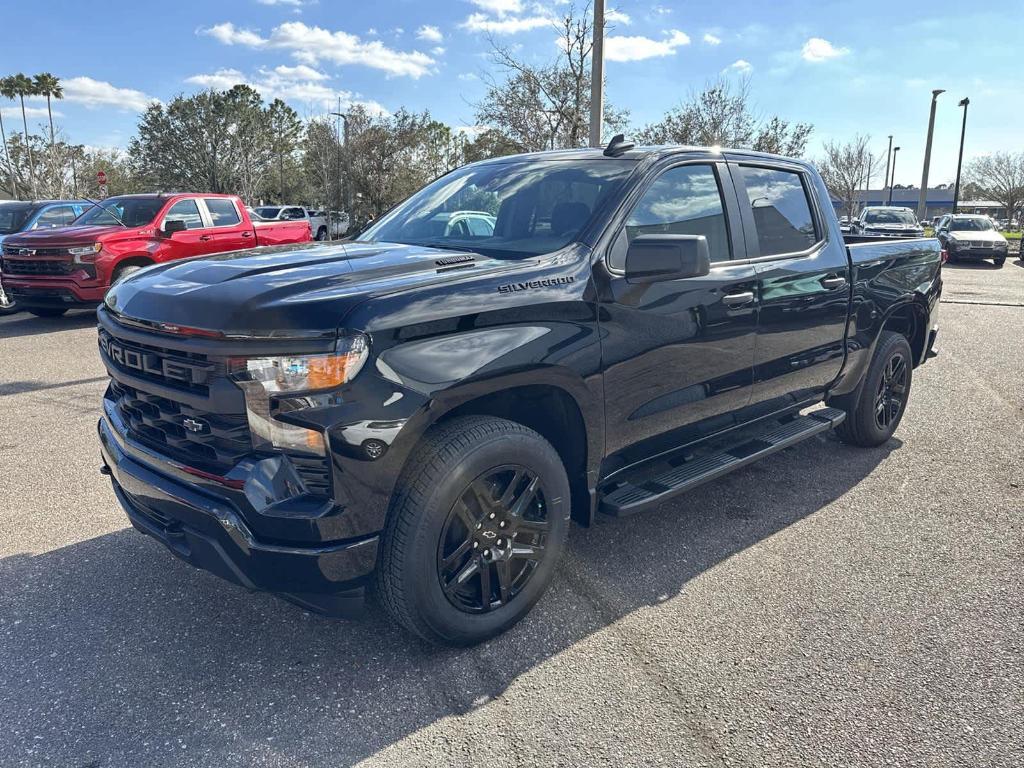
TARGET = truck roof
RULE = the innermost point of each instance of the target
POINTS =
(637, 153)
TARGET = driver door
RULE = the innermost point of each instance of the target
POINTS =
(677, 354)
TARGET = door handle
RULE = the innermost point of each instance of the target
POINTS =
(833, 281)
(206, 237)
(738, 299)
(247, 234)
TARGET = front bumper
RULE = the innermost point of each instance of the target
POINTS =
(207, 530)
(978, 253)
(53, 292)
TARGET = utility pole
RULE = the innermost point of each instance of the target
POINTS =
(894, 151)
(922, 201)
(597, 76)
(964, 102)
(888, 157)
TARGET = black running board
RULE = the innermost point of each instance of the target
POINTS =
(641, 493)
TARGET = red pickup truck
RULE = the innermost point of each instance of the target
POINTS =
(50, 271)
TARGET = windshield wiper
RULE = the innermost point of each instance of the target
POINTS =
(104, 208)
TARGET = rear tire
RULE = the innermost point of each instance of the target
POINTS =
(321, 234)
(875, 410)
(476, 527)
(47, 311)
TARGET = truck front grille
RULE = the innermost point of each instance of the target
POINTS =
(38, 266)
(212, 441)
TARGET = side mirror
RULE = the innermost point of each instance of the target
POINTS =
(174, 225)
(654, 258)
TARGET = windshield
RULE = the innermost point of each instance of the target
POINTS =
(970, 225)
(133, 211)
(268, 213)
(13, 217)
(522, 208)
(890, 217)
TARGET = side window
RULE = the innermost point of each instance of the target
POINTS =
(57, 216)
(294, 213)
(480, 227)
(782, 212)
(222, 211)
(682, 201)
(187, 211)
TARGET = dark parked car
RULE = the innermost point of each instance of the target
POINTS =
(972, 237)
(887, 221)
(425, 409)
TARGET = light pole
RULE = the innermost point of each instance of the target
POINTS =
(597, 75)
(964, 102)
(922, 201)
(894, 151)
(342, 139)
(888, 157)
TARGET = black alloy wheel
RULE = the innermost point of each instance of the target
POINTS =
(493, 539)
(890, 398)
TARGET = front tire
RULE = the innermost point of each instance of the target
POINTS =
(8, 306)
(999, 262)
(321, 234)
(476, 527)
(875, 410)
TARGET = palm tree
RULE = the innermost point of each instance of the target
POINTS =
(23, 87)
(48, 85)
(7, 91)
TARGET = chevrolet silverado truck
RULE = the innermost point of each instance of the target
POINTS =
(887, 221)
(51, 271)
(421, 412)
(25, 216)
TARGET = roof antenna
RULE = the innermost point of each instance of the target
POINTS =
(618, 145)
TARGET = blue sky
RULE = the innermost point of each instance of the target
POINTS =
(846, 67)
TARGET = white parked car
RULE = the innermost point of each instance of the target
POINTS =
(286, 213)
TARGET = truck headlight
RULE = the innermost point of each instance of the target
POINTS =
(81, 252)
(273, 385)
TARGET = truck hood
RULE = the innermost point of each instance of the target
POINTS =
(985, 236)
(284, 291)
(61, 237)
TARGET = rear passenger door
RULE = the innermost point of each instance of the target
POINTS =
(677, 354)
(803, 282)
(226, 225)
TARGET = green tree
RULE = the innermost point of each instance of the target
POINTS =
(7, 91)
(23, 86)
(722, 115)
(999, 177)
(48, 85)
(490, 143)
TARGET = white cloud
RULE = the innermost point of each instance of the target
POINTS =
(99, 93)
(467, 76)
(638, 47)
(499, 7)
(229, 34)
(311, 45)
(438, 50)
(712, 39)
(287, 84)
(429, 33)
(742, 66)
(30, 112)
(478, 22)
(818, 49)
(615, 16)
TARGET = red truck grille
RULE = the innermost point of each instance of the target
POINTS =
(38, 266)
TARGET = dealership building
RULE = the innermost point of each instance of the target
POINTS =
(938, 201)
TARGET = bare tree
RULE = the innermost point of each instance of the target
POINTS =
(545, 106)
(722, 115)
(999, 177)
(847, 168)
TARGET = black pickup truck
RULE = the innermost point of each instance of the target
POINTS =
(422, 411)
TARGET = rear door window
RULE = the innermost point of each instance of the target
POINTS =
(57, 216)
(783, 215)
(222, 211)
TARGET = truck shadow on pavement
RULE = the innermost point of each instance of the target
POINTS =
(116, 653)
(24, 324)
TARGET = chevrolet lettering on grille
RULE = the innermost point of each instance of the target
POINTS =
(150, 363)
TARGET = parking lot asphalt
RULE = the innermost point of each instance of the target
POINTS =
(829, 606)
